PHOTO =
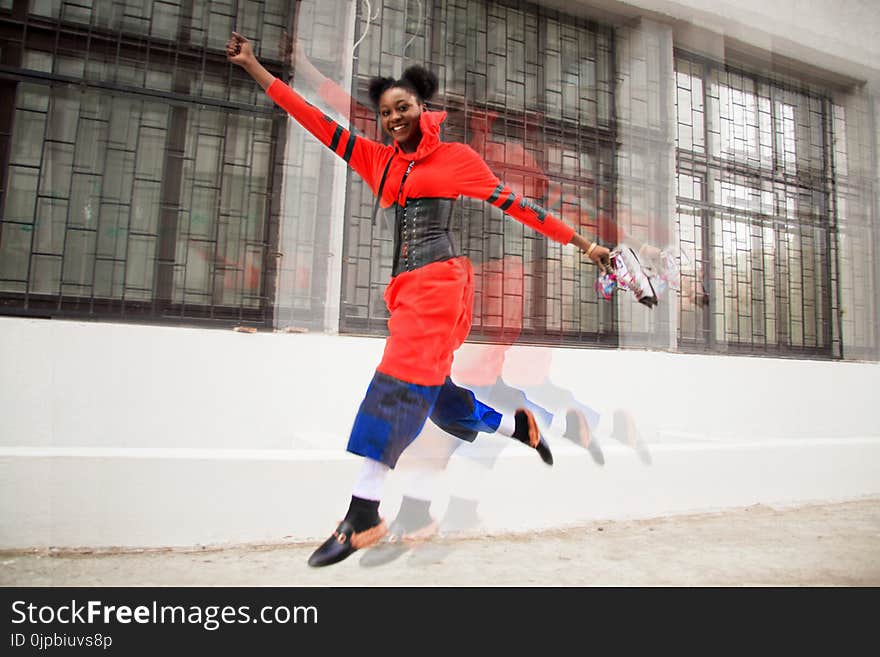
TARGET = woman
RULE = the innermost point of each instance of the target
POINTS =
(430, 295)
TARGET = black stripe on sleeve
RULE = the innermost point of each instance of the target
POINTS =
(496, 193)
(349, 147)
(540, 212)
(335, 141)
(508, 202)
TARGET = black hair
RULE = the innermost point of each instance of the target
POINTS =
(417, 79)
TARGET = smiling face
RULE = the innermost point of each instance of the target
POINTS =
(399, 111)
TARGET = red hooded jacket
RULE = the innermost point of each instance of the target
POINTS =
(441, 170)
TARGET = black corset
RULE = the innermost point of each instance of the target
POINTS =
(421, 233)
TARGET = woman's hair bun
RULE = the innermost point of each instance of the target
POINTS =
(379, 86)
(417, 79)
(422, 81)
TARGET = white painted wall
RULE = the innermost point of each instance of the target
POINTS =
(842, 36)
(845, 29)
(121, 435)
(126, 435)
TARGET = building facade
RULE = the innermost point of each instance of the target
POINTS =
(153, 198)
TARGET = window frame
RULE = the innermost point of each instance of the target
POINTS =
(706, 166)
(600, 142)
(24, 31)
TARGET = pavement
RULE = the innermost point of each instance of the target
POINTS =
(834, 544)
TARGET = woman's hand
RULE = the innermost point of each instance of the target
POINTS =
(239, 50)
(598, 254)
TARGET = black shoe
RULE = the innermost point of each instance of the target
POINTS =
(527, 432)
(398, 541)
(384, 553)
(344, 542)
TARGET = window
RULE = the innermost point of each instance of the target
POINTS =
(756, 222)
(140, 171)
(532, 91)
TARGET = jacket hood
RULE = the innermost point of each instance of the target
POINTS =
(429, 122)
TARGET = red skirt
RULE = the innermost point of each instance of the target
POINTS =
(431, 312)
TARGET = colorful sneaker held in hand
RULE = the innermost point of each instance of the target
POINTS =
(662, 268)
(631, 276)
(605, 285)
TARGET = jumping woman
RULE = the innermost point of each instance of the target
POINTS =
(431, 292)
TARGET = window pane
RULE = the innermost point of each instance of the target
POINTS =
(766, 215)
(113, 185)
(532, 92)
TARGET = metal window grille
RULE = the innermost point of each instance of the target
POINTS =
(756, 219)
(532, 90)
(139, 167)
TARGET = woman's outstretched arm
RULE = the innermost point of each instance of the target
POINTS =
(476, 180)
(366, 157)
(361, 117)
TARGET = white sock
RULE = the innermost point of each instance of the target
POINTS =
(507, 426)
(370, 480)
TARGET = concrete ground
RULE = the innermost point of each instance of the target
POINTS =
(814, 545)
